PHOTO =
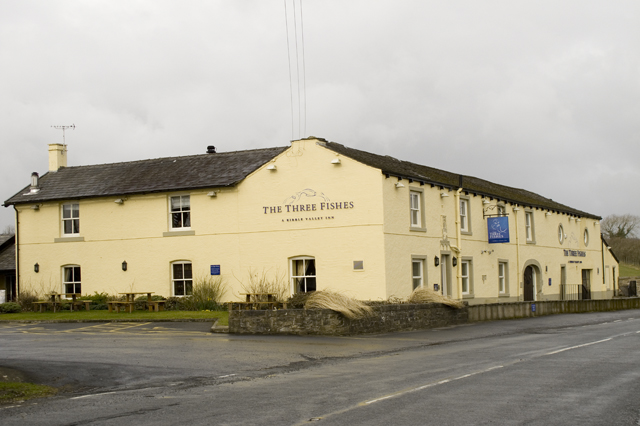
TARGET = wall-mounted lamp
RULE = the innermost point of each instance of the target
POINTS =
(212, 194)
(443, 195)
(36, 268)
(272, 167)
(124, 265)
(436, 261)
(335, 161)
(399, 185)
(454, 261)
(119, 201)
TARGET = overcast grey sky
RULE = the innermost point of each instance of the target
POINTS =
(542, 95)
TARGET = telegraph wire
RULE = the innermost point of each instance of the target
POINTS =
(300, 83)
(286, 25)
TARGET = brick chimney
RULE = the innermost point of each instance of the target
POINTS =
(57, 156)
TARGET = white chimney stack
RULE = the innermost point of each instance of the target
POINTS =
(57, 156)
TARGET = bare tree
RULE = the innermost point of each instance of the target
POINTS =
(623, 226)
(9, 229)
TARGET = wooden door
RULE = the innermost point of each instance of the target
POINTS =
(528, 284)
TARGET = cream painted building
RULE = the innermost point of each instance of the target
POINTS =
(324, 215)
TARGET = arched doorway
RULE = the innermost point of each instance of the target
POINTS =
(529, 283)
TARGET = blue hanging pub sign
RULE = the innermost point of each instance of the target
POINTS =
(498, 228)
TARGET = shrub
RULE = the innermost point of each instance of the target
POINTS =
(10, 308)
(298, 300)
(207, 294)
(26, 299)
(260, 282)
(97, 298)
(350, 308)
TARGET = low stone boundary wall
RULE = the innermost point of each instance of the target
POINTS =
(391, 318)
(499, 311)
(386, 318)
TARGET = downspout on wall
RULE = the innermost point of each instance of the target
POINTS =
(458, 247)
(17, 247)
(516, 209)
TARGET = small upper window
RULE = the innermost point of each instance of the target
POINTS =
(586, 237)
(70, 219)
(528, 224)
(416, 215)
(560, 234)
(180, 212)
(464, 215)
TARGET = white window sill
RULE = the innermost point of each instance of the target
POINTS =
(178, 233)
(418, 229)
(68, 239)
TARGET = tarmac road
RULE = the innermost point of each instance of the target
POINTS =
(565, 369)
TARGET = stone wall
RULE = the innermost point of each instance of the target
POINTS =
(386, 318)
(623, 286)
(391, 318)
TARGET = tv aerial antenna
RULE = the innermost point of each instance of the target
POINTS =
(63, 128)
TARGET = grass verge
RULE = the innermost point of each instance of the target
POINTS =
(222, 316)
(629, 270)
(12, 391)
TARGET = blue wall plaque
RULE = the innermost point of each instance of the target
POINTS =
(498, 229)
(215, 269)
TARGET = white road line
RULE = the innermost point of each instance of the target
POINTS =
(228, 375)
(89, 396)
(578, 346)
(429, 385)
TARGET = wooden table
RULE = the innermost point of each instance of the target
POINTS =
(55, 300)
(129, 301)
(257, 301)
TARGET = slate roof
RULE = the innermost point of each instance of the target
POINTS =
(7, 252)
(407, 170)
(138, 177)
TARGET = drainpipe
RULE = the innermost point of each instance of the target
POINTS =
(17, 240)
(516, 209)
(602, 251)
(457, 249)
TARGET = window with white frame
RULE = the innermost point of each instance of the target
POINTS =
(528, 225)
(71, 280)
(465, 272)
(180, 212)
(464, 215)
(586, 237)
(182, 278)
(502, 277)
(560, 234)
(416, 214)
(303, 274)
(417, 272)
(71, 219)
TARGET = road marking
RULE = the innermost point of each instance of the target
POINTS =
(228, 375)
(92, 395)
(578, 346)
(618, 321)
(428, 385)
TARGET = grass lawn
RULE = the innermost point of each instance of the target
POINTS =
(11, 391)
(223, 316)
(629, 271)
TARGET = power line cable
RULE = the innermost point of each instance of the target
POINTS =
(286, 25)
(304, 73)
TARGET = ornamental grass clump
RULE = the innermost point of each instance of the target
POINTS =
(350, 308)
(423, 295)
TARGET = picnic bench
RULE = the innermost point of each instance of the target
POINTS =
(128, 304)
(55, 302)
(257, 301)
